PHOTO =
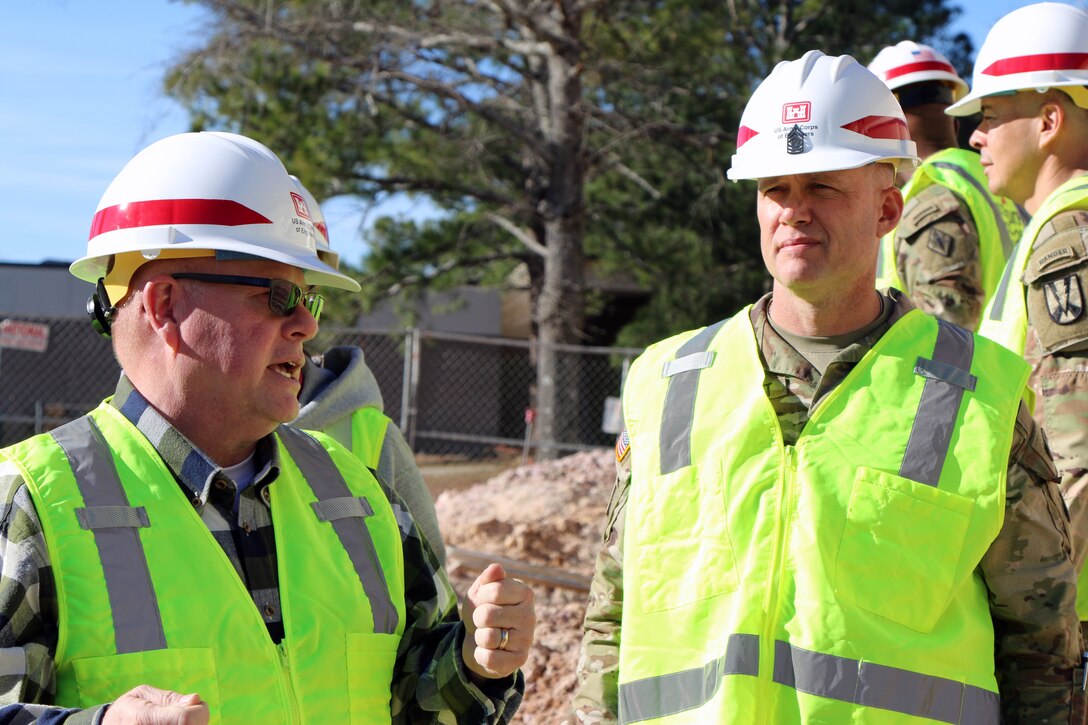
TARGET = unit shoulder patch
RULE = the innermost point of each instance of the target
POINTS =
(623, 446)
(1055, 278)
(941, 242)
(1064, 299)
(928, 206)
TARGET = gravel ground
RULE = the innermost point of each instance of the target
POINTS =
(548, 514)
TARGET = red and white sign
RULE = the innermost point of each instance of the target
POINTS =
(24, 335)
(799, 112)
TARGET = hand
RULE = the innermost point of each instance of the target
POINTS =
(147, 705)
(493, 604)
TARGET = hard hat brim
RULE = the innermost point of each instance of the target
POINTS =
(315, 271)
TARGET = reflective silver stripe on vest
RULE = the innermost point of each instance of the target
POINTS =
(880, 251)
(334, 509)
(328, 484)
(113, 517)
(998, 305)
(939, 371)
(134, 608)
(695, 361)
(679, 413)
(679, 691)
(935, 419)
(1006, 238)
(883, 687)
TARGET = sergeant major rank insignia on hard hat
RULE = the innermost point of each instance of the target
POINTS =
(795, 141)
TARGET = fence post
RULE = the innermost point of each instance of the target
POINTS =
(406, 381)
(413, 393)
(624, 369)
(39, 413)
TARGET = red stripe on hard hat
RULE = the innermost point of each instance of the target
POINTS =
(1042, 61)
(223, 212)
(918, 67)
(324, 229)
(744, 135)
(880, 127)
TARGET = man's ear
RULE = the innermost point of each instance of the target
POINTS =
(159, 299)
(891, 210)
(1051, 120)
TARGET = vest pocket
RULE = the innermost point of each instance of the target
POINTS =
(683, 553)
(370, 675)
(901, 547)
(104, 679)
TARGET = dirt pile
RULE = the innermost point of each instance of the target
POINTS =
(549, 515)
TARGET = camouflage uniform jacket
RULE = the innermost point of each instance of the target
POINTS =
(937, 256)
(430, 683)
(1057, 348)
(1027, 568)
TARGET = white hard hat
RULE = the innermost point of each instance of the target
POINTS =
(819, 113)
(324, 247)
(908, 62)
(1035, 47)
(203, 194)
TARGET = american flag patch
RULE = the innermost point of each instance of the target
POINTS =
(623, 445)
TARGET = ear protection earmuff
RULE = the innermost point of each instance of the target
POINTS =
(100, 310)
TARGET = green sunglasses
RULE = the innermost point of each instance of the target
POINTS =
(283, 296)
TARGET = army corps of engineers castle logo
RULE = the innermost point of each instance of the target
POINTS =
(796, 114)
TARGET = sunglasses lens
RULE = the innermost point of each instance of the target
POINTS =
(315, 303)
(283, 296)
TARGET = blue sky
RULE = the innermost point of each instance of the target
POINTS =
(80, 94)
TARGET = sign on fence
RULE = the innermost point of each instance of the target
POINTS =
(20, 335)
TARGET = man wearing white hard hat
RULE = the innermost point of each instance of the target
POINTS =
(340, 397)
(179, 555)
(1031, 85)
(950, 247)
(831, 507)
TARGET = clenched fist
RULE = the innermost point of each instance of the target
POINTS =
(493, 605)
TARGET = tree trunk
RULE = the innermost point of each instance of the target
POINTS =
(560, 309)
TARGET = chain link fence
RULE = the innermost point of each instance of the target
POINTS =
(458, 396)
(41, 390)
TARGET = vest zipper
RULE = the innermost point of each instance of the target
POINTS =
(285, 682)
(772, 599)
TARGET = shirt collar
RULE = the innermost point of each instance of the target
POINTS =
(194, 471)
(780, 357)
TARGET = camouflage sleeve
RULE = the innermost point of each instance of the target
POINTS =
(1057, 347)
(1032, 589)
(596, 699)
(937, 256)
(1061, 407)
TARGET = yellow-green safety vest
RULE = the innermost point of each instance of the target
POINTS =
(147, 596)
(830, 581)
(368, 426)
(998, 221)
(1005, 319)
(363, 433)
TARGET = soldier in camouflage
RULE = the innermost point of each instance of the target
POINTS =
(1030, 84)
(950, 247)
(819, 331)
